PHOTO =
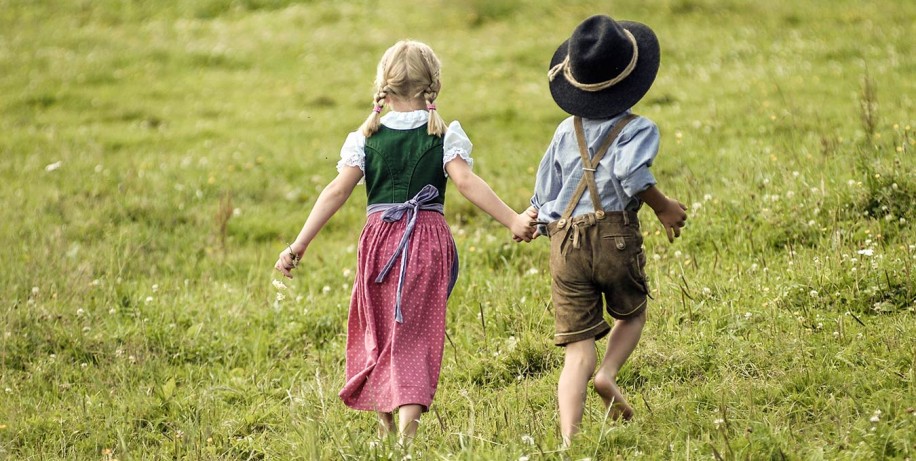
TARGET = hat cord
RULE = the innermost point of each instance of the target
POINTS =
(592, 87)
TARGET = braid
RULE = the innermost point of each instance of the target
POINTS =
(436, 125)
(370, 126)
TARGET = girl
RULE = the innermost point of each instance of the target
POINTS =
(396, 325)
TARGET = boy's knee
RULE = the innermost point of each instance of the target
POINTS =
(581, 355)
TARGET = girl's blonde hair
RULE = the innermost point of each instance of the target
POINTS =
(408, 70)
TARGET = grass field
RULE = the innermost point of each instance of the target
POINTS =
(156, 156)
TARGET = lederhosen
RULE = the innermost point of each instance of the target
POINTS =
(593, 255)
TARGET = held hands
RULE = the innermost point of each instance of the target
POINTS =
(673, 217)
(522, 228)
(288, 260)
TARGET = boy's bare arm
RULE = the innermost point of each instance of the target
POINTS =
(670, 212)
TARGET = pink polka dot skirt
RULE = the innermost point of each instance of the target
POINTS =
(391, 364)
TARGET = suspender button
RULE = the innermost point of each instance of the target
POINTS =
(599, 214)
(561, 223)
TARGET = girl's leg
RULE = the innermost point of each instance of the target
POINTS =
(577, 370)
(409, 416)
(385, 424)
(623, 339)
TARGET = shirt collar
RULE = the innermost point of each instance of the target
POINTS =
(405, 120)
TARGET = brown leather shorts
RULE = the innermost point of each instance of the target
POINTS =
(590, 256)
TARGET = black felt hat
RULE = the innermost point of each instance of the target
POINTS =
(604, 68)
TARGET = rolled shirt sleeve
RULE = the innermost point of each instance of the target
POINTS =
(637, 150)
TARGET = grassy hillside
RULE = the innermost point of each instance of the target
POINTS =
(156, 156)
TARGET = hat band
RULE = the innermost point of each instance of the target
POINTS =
(592, 87)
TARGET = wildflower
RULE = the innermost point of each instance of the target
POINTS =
(347, 273)
(866, 252)
(155, 287)
(112, 311)
(677, 254)
(34, 291)
(8, 391)
(280, 296)
(528, 440)
(523, 458)
(813, 293)
(718, 422)
(707, 291)
(149, 299)
(278, 284)
(53, 166)
(84, 365)
(325, 289)
(795, 174)
(80, 312)
(747, 316)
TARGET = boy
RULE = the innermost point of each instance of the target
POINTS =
(595, 244)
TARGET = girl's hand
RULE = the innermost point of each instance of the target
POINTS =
(521, 228)
(288, 260)
(673, 217)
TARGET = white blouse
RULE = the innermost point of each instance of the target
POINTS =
(455, 144)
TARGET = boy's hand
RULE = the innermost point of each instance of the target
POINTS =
(673, 217)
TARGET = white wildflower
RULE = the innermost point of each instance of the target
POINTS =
(867, 252)
(813, 293)
(280, 296)
(347, 273)
(278, 284)
(718, 422)
(325, 289)
(528, 440)
(148, 299)
(53, 166)
(80, 312)
(707, 197)
(532, 271)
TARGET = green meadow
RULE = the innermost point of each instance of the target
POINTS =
(155, 157)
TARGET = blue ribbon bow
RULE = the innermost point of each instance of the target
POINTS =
(396, 213)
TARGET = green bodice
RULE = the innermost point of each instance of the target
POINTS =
(400, 162)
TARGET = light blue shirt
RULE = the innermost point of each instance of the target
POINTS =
(621, 175)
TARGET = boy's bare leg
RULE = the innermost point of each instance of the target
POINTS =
(385, 424)
(577, 370)
(409, 416)
(623, 339)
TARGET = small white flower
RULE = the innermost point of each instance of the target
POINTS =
(747, 315)
(53, 166)
(80, 312)
(347, 273)
(718, 422)
(875, 418)
(656, 257)
(528, 440)
(523, 458)
(678, 254)
(112, 311)
(280, 296)
(707, 197)
(813, 293)
(34, 291)
(155, 287)
(149, 299)
(278, 284)
(325, 289)
(532, 271)
(84, 365)
(707, 291)
(866, 252)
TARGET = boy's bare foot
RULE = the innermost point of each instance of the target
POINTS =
(613, 400)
